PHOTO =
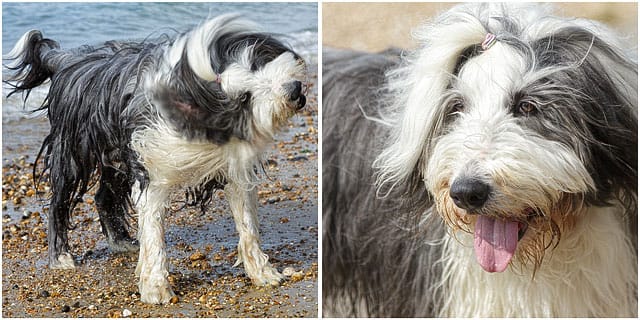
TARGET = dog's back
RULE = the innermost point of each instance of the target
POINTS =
(368, 237)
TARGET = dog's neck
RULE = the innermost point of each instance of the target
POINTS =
(591, 273)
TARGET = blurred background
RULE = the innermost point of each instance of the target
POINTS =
(377, 26)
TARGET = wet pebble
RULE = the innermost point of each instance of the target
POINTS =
(113, 313)
(197, 256)
(288, 271)
(65, 308)
(297, 276)
(273, 200)
(45, 294)
(297, 158)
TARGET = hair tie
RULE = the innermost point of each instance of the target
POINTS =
(218, 79)
(489, 41)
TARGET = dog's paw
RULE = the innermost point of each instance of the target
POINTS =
(268, 277)
(64, 262)
(124, 245)
(155, 291)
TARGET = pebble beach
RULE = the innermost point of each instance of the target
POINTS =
(201, 246)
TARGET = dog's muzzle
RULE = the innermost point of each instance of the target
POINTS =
(295, 93)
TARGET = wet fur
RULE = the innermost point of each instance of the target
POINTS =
(149, 118)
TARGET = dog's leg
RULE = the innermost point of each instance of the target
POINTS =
(63, 177)
(243, 201)
(59, 256)
(111, 200)
(153, 266)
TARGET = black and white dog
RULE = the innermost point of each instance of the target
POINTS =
(491, 173)
(150, 118)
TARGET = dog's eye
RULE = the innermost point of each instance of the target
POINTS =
(457, 106)
(245, 97)
(526, 108)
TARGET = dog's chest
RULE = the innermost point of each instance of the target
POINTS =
(175, 161)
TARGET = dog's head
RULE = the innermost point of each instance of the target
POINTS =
(514, 136)
(226, 80)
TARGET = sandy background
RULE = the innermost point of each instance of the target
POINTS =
(377, 26)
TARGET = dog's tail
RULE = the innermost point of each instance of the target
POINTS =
(29, 62)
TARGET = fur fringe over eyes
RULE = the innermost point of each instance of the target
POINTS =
(422, 154)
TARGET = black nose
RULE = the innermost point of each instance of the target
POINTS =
(469, 194)
(295, 90)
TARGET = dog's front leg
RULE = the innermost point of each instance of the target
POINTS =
(153, 267)
(243, 200)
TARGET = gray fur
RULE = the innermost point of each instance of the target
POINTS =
(368, 243)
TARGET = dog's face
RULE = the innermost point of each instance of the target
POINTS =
(509, 164)
(223, 80)
(521, 137)
(528, 143)
(272, 91)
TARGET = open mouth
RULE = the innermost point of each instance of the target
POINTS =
(522, 229)
(496, 240)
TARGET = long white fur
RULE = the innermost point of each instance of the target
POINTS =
(174, 162)
(198, 55)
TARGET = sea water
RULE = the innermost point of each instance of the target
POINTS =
(76, 23)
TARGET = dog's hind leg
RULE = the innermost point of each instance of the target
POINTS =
(243, 201)
(62, 177)
(112, 202)
(59, 256)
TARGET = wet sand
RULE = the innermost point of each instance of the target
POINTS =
(201, 247)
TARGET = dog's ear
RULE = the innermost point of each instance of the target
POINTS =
(189, 110)
(418, 87)
(607, 82)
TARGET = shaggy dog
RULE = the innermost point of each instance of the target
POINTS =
(154, 117)
(492, 172)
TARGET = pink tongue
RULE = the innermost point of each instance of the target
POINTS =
(495, 242)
